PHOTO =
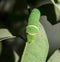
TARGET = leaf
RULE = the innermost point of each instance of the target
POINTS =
(5, 34)
(57, 9)
(53, 34)
(16, 56)
(37, 49)
(55, 57)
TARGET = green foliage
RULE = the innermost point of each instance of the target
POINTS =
(55, 57)
(57, 9)
(4, 34)
(37, 46)
(37, 49)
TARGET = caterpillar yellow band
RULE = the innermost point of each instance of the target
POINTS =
(32, 30)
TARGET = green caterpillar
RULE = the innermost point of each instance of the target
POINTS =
(33, 23)
(37, 46)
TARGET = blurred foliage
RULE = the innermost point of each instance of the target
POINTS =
(14, 17)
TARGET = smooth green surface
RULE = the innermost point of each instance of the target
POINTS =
(37, 49)
(58, 1)
(55, 57)
(34, 17)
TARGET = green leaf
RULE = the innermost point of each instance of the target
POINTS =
(16, 56)
(55, 57)
(5, 34)
(37, 49)
(57, 9)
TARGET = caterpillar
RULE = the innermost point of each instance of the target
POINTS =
(37, 46)
(33, 23)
